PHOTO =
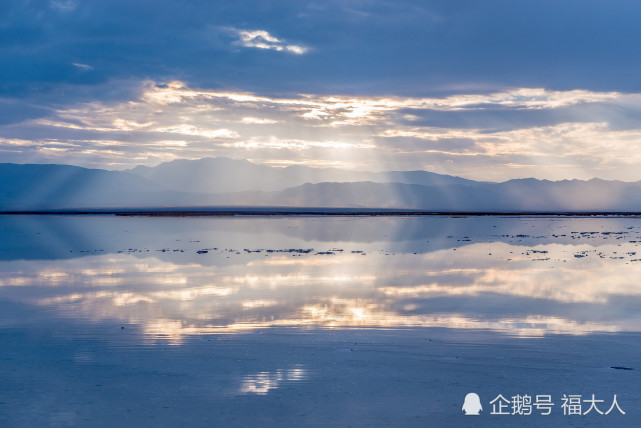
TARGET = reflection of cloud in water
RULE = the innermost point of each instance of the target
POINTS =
(262, 382)
(493, 286)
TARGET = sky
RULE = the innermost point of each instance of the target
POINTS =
(489, 90)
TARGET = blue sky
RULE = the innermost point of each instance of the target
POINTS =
(489, 90)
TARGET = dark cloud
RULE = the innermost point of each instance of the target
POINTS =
(15, 111)
(366, 47)
(494, 118)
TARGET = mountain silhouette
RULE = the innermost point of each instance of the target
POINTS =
(213, 182)
(223, 175)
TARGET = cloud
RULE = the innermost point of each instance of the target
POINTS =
(261, 39)
(83, 67)
(478, 89)
(255, 120)
(494, 136)
(372, 47)
(192, 130)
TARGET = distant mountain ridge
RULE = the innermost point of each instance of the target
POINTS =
(224, 175)
(511, 196)
(227, 182)
(47, 186)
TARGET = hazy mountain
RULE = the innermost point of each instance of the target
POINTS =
(25, 187)
(37, 186)
(516, 195)
(223, 175)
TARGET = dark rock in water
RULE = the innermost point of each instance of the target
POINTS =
(621, 368)
(202, 251)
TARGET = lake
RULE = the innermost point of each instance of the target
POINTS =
(319, 320)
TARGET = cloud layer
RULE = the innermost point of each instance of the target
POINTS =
(450, 87)
(496, 136)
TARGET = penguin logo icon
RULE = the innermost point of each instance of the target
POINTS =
(472, 404)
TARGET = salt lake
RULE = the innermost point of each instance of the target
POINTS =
(318, 320)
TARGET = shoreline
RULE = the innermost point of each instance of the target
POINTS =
(309, 211)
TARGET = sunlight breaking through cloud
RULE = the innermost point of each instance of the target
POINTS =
(494, 136)
(171, 301)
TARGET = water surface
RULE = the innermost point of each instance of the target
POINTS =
(247, 320)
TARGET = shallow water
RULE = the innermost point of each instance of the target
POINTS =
(283, 321)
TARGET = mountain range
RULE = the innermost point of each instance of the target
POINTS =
(214, 182)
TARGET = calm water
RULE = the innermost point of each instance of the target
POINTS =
(314, 320)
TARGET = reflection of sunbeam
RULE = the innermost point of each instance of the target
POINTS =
(261, 383)
(529, 326)
(554, 281)
(537, 295)
(193, 293)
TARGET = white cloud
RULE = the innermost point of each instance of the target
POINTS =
(273, 142)
(172, 120)
(261, 39)
(82, 67)
(193, 130)
(258, 121)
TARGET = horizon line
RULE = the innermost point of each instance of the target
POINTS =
(310, 211)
